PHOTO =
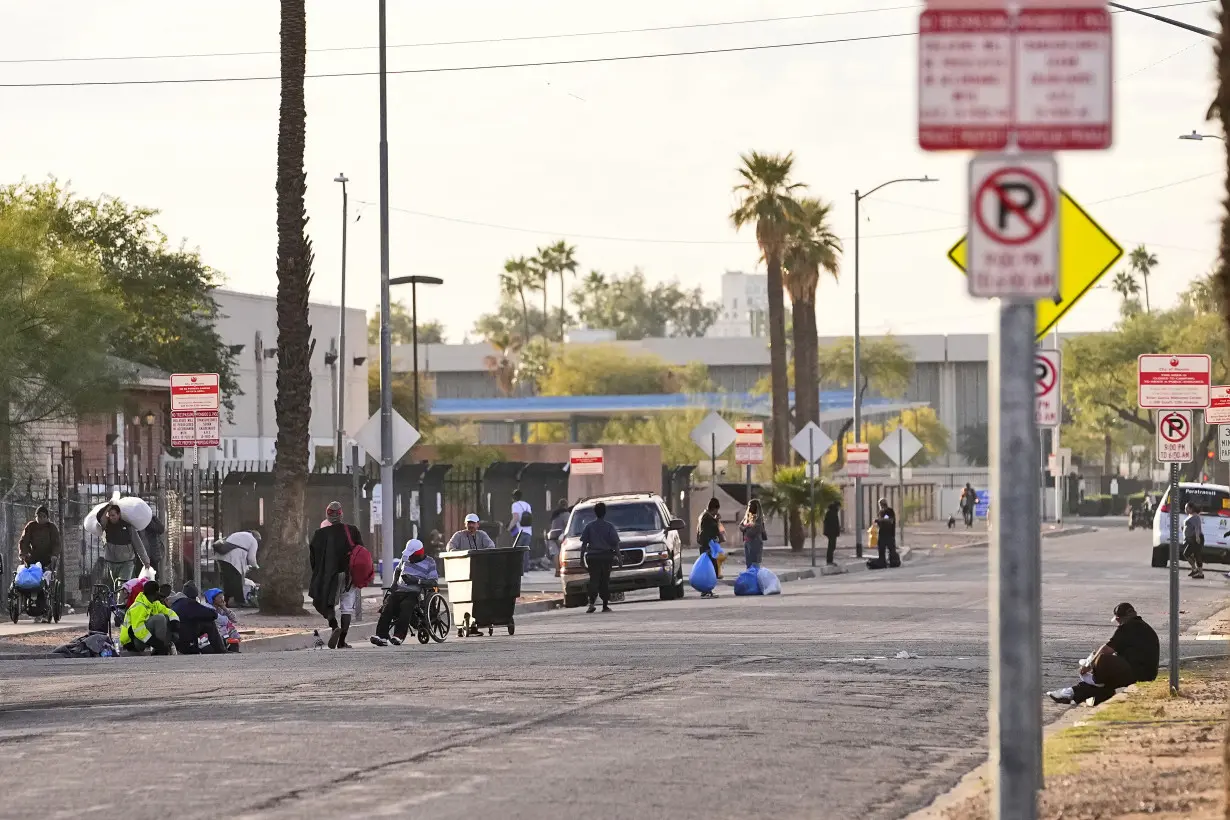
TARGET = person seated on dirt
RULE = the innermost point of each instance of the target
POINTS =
(227, 623)
(471, 538)
(196, 621)
(149, 623)
(123, 544)
(414, 568)
(1130, 656)
(40, 544)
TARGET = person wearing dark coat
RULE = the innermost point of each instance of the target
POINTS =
(330, 586)
(196, 620)
(832, 529)
(886, 518)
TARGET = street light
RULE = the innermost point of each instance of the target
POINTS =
(341, 333)
(414, 282)
(386, 342)
(1198, 137)
(858, 353)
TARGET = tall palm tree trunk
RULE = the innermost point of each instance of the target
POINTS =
(282, 587)
(777, 365)
(806, 362)
(1146, 278)
(525, 316)
(1221, 108)
(561, 306)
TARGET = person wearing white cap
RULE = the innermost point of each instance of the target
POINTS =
(471, 538)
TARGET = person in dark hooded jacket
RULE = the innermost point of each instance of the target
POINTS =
(832, 529)
(196, 621)
(330, 588)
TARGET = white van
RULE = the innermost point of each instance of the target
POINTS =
(1213, 503)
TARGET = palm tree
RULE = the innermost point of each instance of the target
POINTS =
(1143, 262)
(540, 273)
(517, 277)
(767, 199)
(503, 365)
(562, 260)
(282, 584)
(1125, 285)
(811, 246)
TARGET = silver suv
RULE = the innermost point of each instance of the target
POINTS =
(649, 541)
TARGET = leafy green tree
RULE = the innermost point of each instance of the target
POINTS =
(509, 320)
(923, 423)
(887, 369)
(634, 309)
(790, 492)
(55, 332)
(811, 247)
(401, 326)
(164, 293)
(767, 201)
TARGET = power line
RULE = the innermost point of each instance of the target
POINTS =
(448, 69)
(491, 66)
(484, 41)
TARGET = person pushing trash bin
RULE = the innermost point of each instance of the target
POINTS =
(471, 538)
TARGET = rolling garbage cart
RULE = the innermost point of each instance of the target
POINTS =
(483, 587)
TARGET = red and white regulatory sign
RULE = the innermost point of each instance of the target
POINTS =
(749, 442)
(858, 458)
(194, 410)
(585, 462)
(964, 79)
(1218, 411)
(1048, 402)
(1014, 226)
(1169, 381)
(1174, 436)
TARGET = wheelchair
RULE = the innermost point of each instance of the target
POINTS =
(432, 618)
(44, 601)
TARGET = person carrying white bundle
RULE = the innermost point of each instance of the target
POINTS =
(123, 545)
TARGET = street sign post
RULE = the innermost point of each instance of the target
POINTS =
(1170, 381)
(404, 436)
(1174, 446)
(1086, 252)
(1218, 411)
(964, 79)
(1014, 226)
(811, 443)
(1174, 437)
(713, 435)
(194, 404)
(901, 446)
(1047, 394)
(586, 462)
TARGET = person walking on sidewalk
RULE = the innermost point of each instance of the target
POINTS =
(754, 534)
(599, 550)
(521, 527)
(1193, 541)
(832, 529)
(969, 502)
(331, 591)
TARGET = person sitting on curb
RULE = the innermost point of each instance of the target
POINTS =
(414, 568)
(227, 623)
(196, 621)
(1130, 656)
(149, 623)
(471, 538)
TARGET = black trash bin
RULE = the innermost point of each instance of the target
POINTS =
(483, 587)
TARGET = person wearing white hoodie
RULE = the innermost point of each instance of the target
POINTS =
(415, 568)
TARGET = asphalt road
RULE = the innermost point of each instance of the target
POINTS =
(791, 706)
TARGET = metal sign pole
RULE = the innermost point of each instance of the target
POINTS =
(198, 553)
(713, 465)
(901, 486)
(1015, 585)
(811, 461)
(749, 483)
(1174, 575)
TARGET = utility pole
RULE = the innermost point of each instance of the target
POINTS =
(341, 335)
(386, 341)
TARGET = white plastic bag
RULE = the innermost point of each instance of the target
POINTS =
(769, 585)
(135, 511)
(148, 574)
(91, 521)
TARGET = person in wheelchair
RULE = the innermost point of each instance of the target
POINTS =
(415, 570)
(40, 544)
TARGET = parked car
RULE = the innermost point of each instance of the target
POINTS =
(1213, 503)
(650, 546)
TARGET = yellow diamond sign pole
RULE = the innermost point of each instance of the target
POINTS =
(1086, 252)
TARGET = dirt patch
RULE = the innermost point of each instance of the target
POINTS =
(1144, 754)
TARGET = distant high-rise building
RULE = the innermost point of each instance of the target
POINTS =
(745, 305)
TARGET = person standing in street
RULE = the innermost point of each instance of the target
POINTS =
(969, 501)
(1193, 541)
(235, 555)
(471, 538)
(600, 550)
(521, 527)
(331, 590)
(832, 529)
(754, 534)
(709, 529)
(886, 519)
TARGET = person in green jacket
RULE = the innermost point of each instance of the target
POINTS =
(149, 623)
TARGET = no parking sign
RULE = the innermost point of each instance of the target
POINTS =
(1174, 436)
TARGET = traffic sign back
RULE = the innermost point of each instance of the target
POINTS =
(811, 442)
(900, 444)
(713, 435)
(1014, 226)
(1086, 252)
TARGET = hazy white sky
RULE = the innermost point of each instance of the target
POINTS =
(632, 161)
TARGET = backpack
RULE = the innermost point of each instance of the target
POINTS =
(362, 569)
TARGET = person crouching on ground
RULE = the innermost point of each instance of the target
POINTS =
(331, 591)
(149, 623)
(196, 621)
(600, 549)
(1130, 656)
(415, 568)
(225, 620)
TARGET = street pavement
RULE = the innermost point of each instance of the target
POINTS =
(793, 706)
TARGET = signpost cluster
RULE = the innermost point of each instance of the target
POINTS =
(1013, 78)
(194, 423)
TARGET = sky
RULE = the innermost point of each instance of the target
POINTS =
(630, 160)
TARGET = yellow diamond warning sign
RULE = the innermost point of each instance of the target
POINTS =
(1086, 252)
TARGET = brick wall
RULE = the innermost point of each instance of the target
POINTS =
(37, 448)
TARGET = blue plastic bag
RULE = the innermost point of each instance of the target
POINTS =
(29, 577)
(715, 549)
(703, 577)
(748, 582)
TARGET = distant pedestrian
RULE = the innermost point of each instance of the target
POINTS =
(886, 521)
(599, 551)
(521, 527)
(471, 538)
(969, 503)
(1193, 541)
(559, 521)
(332, 593)
(709, 529)
(832, 529)
(754, 534)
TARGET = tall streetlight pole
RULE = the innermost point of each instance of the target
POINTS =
(386, 341)
(858, 357)
(414, 282)
(341, 334)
